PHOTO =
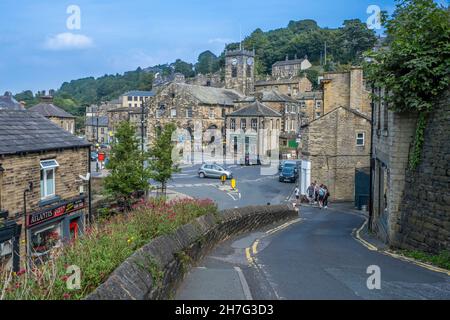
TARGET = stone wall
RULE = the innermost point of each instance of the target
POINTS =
(425, 209)
(154, 271)
(67, 124)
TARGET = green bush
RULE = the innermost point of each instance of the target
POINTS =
(440, 260)
(102, 249)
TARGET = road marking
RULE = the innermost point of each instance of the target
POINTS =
(231, 196)
(395, 255)
(255, 247)
(240, 196)
(249, 256)
(244, 284)
(283, 226)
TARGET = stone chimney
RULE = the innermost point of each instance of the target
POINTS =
(259, 96)
(8, 94)
(47, 99)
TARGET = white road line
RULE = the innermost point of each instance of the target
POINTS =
(244, 284)
(232, 197)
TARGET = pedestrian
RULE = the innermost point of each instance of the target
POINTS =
(316, 192)
(321, 196)
(297, 195)
(325, 199)
(310, 193)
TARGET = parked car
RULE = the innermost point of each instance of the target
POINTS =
(213, 171)
(287, 163)
(289, 173)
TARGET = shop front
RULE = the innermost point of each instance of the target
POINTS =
(48, 229)
(9, 243)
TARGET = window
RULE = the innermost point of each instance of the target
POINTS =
(47, 182)
(44, 240)
(135, 98)
(129, 105)
(130, 98)
(249, 71)
(102, 130)
(212, 113)
(302, 104)
(223, 113)
(233, 124)
(318, 114)
(318, 104)
(189, 112)
(161, 110)
(173, 113)
(6, 253)
(243, 124)
(234, 72)
(254, 124)
(360, 137)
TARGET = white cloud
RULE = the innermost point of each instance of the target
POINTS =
(220, 40)
(68, 41)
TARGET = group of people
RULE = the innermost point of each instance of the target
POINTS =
(318, 194)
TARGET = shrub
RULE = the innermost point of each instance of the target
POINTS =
(102, 249)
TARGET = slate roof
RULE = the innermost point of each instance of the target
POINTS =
(8, 102)
(356, 112)
(92, 121)
(211, 95)
(50, 110)
(137, 93)
(256, 109)
(275, 96)
(310, 95)
(25, 131)
(288, 62)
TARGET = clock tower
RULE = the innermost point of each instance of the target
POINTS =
(240, 71)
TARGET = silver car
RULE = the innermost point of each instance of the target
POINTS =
(213, 171)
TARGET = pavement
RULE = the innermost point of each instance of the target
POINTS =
(318, 256)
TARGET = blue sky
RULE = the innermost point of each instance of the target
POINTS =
(39, 52)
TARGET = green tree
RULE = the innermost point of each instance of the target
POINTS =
(183, 67)
(415, 66)
(128, 176)
(161, 162)
(207, 63)
(355, 39)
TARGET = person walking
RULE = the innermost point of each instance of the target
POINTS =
(325, 199)
(316, 192)
(297, 195)
(310, 193)
(321, 196)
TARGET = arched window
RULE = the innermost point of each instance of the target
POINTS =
(234, 71)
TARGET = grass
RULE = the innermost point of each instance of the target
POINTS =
(101, 250)
(441, 260)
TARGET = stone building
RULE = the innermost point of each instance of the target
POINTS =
(55, 114)
(253, 133)
(311, 104)
(411, 208)
(191, 107)
(43, 200)
(207, 80)
(97, 129)
(240, 71)
(292, 87)
(134, 115)
(7, 101)
(335, 145)
(134, 99)
(290, 68)
(346, 89)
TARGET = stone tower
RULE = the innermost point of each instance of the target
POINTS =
(240, 71)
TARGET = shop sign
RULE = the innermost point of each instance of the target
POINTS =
(57, 211)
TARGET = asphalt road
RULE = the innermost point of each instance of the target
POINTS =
(254, 188)
(314, 258)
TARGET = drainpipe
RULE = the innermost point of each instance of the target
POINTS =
(27, 253)
(89, 186)
(372, 161)
(1, 184)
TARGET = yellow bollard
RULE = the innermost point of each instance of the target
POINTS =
(233, 184)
